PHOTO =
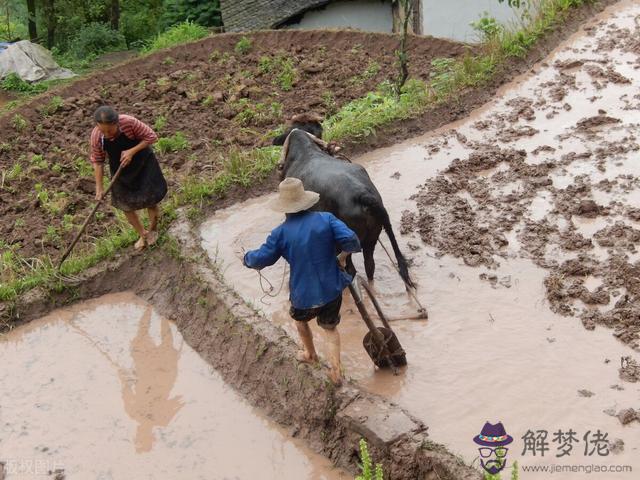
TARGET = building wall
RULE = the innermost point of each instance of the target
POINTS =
(368, 15)
(451, 18)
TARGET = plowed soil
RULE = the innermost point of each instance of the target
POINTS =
(217, 97)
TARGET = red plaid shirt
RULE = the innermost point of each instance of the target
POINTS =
(127, 125)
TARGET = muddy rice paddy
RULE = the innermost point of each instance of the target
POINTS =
(113, 392)
(522, 229)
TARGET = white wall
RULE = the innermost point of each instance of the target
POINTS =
(451, 18)
(368, 15)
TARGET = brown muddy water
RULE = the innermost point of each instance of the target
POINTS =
(495, 347)
(108, 389)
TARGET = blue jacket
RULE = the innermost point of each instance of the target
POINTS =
(308, 241)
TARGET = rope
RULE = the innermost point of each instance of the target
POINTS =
(261, 278)
(410, 291)
(268, 293)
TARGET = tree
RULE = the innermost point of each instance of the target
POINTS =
(115, 14)
(51, 21)
(33, 30)
(206, 13)
(406, 7)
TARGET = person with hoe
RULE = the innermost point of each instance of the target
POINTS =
(140, 185)
(309, 242)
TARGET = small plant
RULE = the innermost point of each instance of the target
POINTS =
(243, 46)
(52, 235)
(39, 161)
(160, 123)
(367, 472)
(287, 75)
(57, 168)
(15, 173)
(515, 475)
(142, 84)
(5, 147)
(168, 61)
(173, 143)
(83, 167)
(53, 106)
(19, 122)
(161, 82)
(19, 223)
(265, 64)
(329, 103)
(67, 222)
(488, 27)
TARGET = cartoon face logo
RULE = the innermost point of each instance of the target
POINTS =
(492, 441)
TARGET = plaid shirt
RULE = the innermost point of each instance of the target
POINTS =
(127, 125)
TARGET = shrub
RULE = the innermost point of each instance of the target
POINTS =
(243, 46)
(96, 38)
(181, 33)
(14, 83)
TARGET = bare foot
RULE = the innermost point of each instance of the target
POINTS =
(152, 237)
(336, 377)
(304, 357)
(140, 244)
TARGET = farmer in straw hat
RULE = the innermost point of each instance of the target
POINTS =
(309, 241)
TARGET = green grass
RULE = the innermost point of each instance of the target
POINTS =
(174, 143)
(360, 118)
(181, 33)
(18, 275)
(13, 83)
(282, 67)
(257, 113)
(239, 168)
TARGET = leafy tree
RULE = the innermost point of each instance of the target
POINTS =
(206, 13)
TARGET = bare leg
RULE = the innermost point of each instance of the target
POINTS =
(134, 220)
(309, 353)
(333, 342)
(154, 214)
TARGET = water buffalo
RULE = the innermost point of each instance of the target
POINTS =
(345, 190)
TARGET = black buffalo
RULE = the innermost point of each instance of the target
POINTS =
(345, 190)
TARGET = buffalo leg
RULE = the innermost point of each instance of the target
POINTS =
(369, 262)
(349, 266)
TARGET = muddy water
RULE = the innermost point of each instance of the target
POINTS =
(492, 349)
(109, 390)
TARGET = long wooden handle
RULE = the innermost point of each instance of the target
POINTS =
(89, 217)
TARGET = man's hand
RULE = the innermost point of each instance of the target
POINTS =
(342, 259)
(99, 193)
(126, 157)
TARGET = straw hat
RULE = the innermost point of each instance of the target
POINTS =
(293, 197)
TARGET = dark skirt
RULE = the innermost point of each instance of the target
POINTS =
(142, 187)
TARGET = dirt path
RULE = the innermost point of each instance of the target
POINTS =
(113, 391)
(506, 243)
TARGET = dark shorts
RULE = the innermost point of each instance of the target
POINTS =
(328, 315)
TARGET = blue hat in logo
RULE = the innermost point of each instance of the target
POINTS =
(493, 436)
